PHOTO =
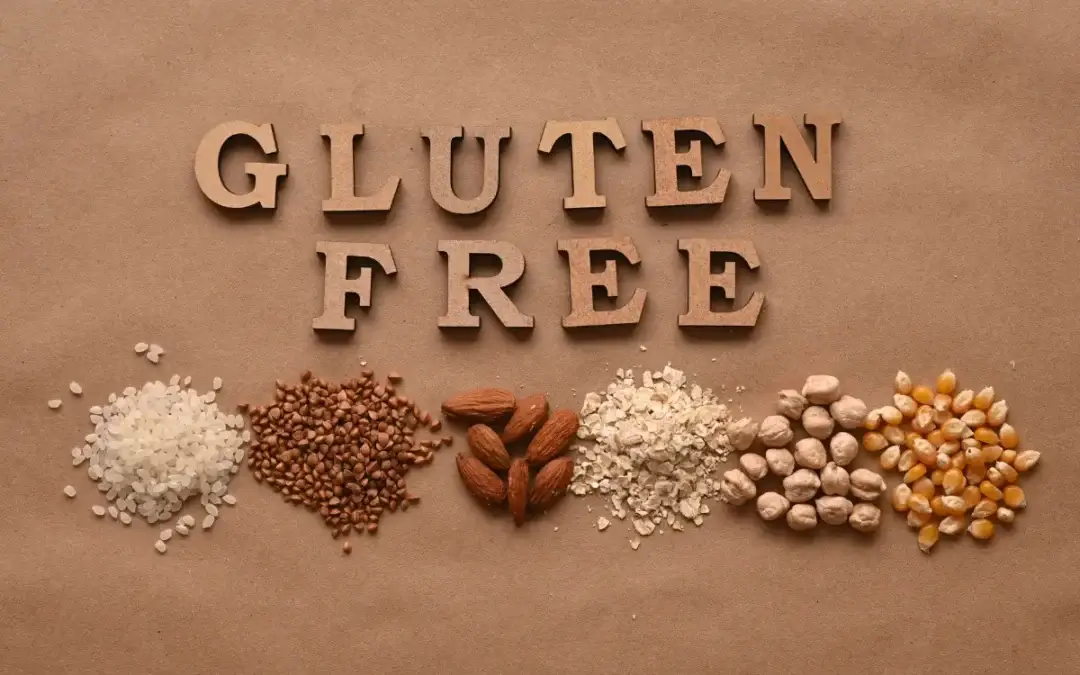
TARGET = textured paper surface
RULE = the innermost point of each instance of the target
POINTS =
(951, 240)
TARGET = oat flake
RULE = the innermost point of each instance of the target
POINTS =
(655, 449)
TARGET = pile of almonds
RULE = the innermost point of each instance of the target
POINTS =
(959, 455)
(819, 407)
(526, 423)
(340, 449)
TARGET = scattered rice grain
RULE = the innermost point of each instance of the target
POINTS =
(141, 347)
(229, 499)
(212, 510)
(188, 521)
(98, 510)
(216, 384)
(182, 530)
(69, 491)
(75, 388)
(125, 517)
(55, 403)
(160, 546)
(165, 535)
(207, 522)
(114, 512)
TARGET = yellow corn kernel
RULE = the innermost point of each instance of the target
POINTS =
(949, 448)
(919, 503)
(974, 418)
(1009, 473)
(925, 452)
(942, 402)
(1014, 497)
(902, 382)
(983, 399)
(1009, 438)
(916, 520)
(946, 381)
(924, 486)
(954, 505)
(986, 435)
(953, 482)
(953, 429)
(973, 454)
(874, 442)
(873, 420)
(976, 472)
(907, 460)
(890, 457)
(910, 438)
(914, 473)
(952, 525)
(1010, 457)
(928, 536)
(891, 415)
(894, 435)
(905, 404)
(900, 496)
(995, 477)
(997, 413)
(961, 403)
(981, 529)
(941, 417)
(991, 453)
(1005, 515)
(958, 461)
(1024, 460)
(936, 438)
(937, 476)
(971, 442)
(923, 422)
(923, 394)
(971, 496)
(990, 491)
(943, 462)
(984, 509)
(937, 505)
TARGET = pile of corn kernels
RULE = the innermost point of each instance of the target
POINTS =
(958, 458)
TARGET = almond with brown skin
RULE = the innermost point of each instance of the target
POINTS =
(481, 481)
(517, 489)
(553, 437)
(485, 444)
(480, 405)
(551, 483)
(529, 415)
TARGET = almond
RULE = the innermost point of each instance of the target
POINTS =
(551, 483)
(553, 437)
(485, 444)
(480, 405)
(529, 415)
(517, 489)
(480, 480)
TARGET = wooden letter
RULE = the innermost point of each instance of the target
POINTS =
(702, 281)
(440, 147)
(342, 177)
(816, 173)
(208, 166)
(667, 160)
(459, 282)
(336, 285)
(582, 158)
(583, 280)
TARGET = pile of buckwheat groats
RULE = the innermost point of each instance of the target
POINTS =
(154, 447)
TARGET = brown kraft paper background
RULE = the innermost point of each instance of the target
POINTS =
(950, 241)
